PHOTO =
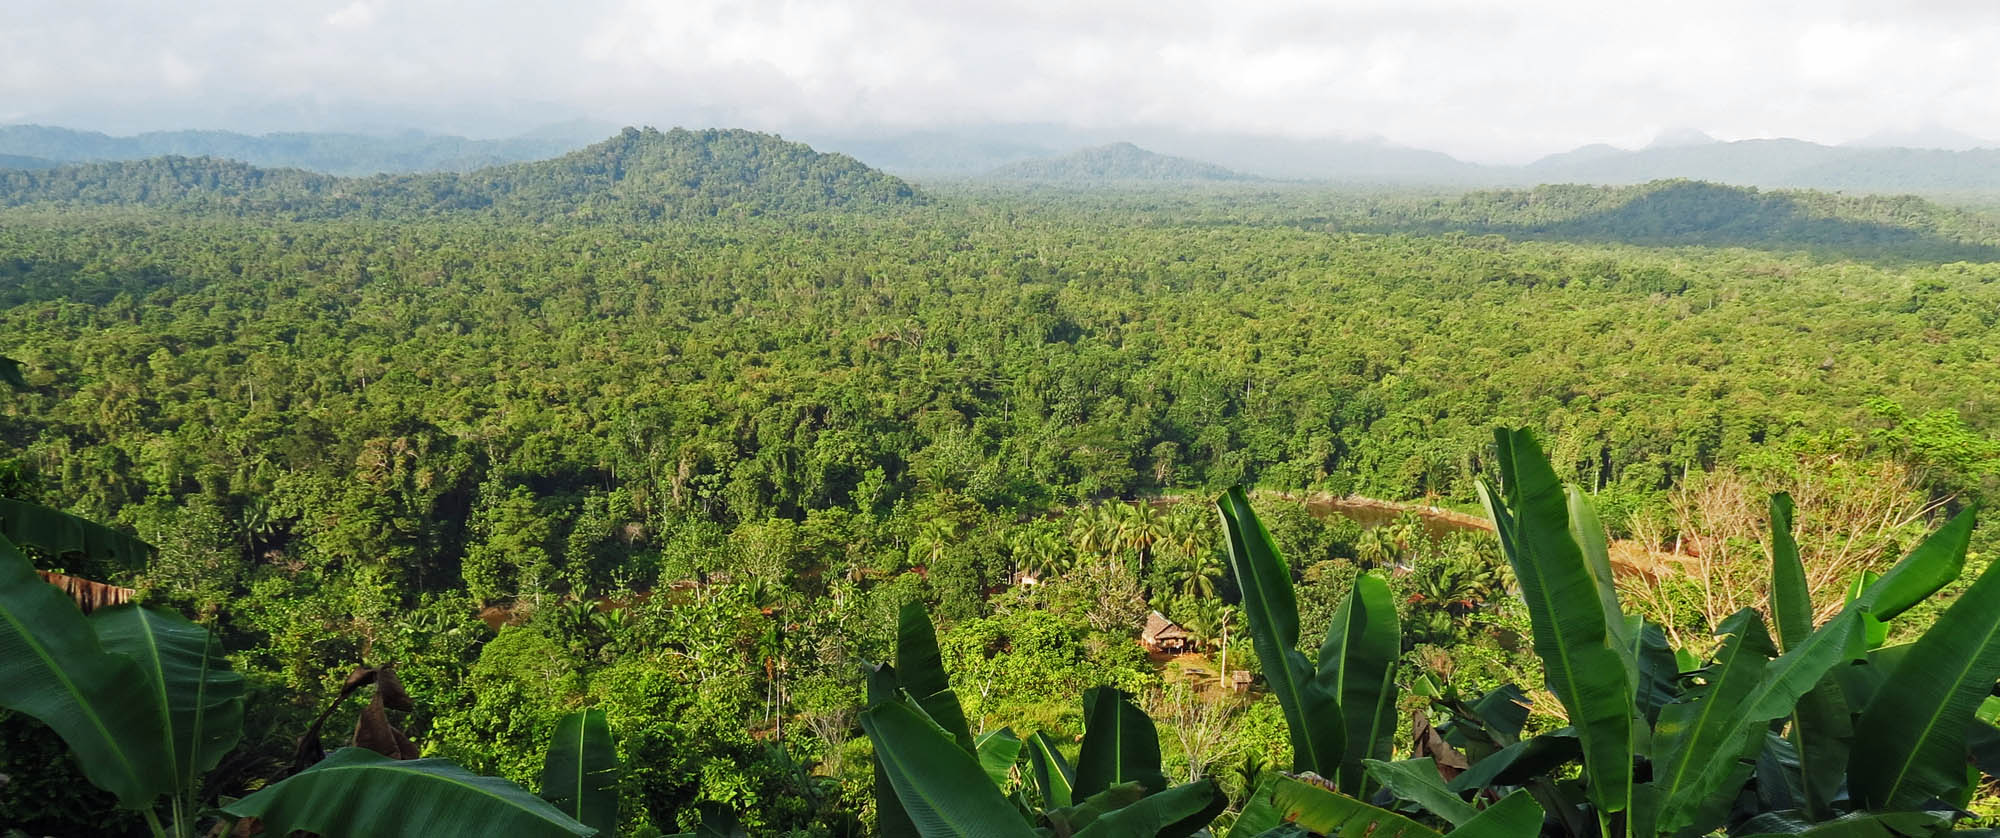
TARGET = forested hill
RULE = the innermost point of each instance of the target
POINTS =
(1115, 162)
(636, 175)
(17, 161)
(1682, 212)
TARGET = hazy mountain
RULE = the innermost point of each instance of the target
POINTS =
(332, 153)
(635, 175)
(17, 161)
(936, 152)
(1115, 162)
(1927, 137)
(1777, 163)
(1369, 161)
(1682, 212)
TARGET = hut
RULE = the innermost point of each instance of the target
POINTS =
(1164, 635)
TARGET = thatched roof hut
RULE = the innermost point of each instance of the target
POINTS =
(1164, 635)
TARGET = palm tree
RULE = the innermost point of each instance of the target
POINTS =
(1193, 574)
(1138, 528)
(1186, 532)
(932, 539)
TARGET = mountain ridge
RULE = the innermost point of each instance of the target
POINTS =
(1115, 162)
(639, 174)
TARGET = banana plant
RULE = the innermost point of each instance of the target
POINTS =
(580, 772)
(1670, 753)
(148, 705)
(1340, 710)
(142, 697)
(934, 779)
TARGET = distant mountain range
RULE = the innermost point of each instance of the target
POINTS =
(1051, 153)
(636, 175)
(339, 154)
(1115, 163)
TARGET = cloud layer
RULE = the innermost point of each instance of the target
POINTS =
(1484, 80)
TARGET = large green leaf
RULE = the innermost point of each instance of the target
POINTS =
(920, 672)
(1515, 816)
(1910, 741)
(1856, 825)
(890, 819)
(1335, 815)
(200, 701)
(1053, 777)
(1659, 667)
(1260, 814)
(1700, 742)
(1312, 712)
(1588, 534)
(1357, 665)
(359, 792)
(1070, 820)
(62, 534)
(1582, 662)
(1120, 744)
(54, 668)
(1520, 762)
(1791, 604)
(998, 749)
(940, 785)
(1418, 781)
(1175, 813)
(1935, 563)
(1821, 723)
(580, 772)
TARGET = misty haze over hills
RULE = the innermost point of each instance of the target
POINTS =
(1952, 162)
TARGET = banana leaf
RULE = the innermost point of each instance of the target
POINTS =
(1910, 740)
(718, 821)
(1856, 825)
(359, 792)
(1516, 815)
(1935, 563)
(1067, 821)
(1335, 815)
(1120, 744)
(580, 772)
(1357, 665)
(1520, 762)
(62, 534)
(1053, 777)
(54, 668)
(997, 752)
(1822, 725)
(1582, 660)
(941, 786)
(1418, 781)
(200, 701)
(920, 672)
(890, 819)
(1175, 813)
(1312, 712)
(1260, 815)
(1658, 667)
(1701, 743)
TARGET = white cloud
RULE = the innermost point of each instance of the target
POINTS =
(1480, 79)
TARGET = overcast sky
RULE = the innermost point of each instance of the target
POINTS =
(1487, 81)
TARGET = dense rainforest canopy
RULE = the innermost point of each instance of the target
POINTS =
(674, 426)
